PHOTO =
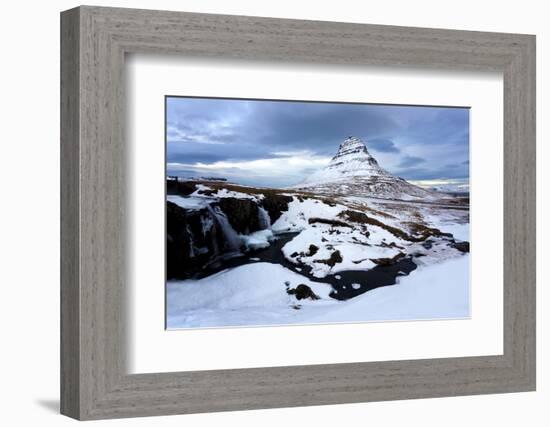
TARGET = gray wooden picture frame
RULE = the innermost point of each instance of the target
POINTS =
(94, 381)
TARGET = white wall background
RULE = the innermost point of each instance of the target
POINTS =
(29, 224)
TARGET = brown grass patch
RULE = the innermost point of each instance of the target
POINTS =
(388, 261)
(363, 218)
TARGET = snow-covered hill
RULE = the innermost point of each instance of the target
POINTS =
(354, 171)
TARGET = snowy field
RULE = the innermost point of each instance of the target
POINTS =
(255, 295)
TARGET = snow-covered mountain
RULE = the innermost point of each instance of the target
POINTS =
(353, 171)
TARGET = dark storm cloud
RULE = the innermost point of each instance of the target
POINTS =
(408, 161)
(230, 136)
(273, 125)
(195, 152)
(383, 145)
(445, 172)
(303, 125)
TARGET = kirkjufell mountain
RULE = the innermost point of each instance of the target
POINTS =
(353, 171)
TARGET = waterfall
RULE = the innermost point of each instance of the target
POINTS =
(264, 219)
(192, 241)
(232, 240)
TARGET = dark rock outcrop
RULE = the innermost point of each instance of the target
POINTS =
(335, 258)
(242, 214)
(303, 292)
(463, 247)
(181, 188)
(192, 240)
(312, 250)
(333, 222)
(197, 237)
(388, 261)
(420, 232)
(207, 192)
(275, 204)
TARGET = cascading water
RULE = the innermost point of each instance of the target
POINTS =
(263, 217)
(232, 240)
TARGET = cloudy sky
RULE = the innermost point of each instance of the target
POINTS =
(278, 143)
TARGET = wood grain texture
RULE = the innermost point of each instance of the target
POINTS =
(95, 383)
(70, 292)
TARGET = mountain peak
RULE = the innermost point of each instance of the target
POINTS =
(352, 160)
(353, 151)
(350, 144)
(354, 171)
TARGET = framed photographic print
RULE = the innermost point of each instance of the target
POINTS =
(263, 213)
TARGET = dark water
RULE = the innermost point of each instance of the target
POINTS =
(376, 277)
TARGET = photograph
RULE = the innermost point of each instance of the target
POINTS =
(284, 212)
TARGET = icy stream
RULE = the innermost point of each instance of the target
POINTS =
(345, 284)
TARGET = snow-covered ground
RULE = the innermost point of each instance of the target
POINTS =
(349, 241)
(328, 242)
(300, 211)
(359, 244)
(190, 203)
(255, 294)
